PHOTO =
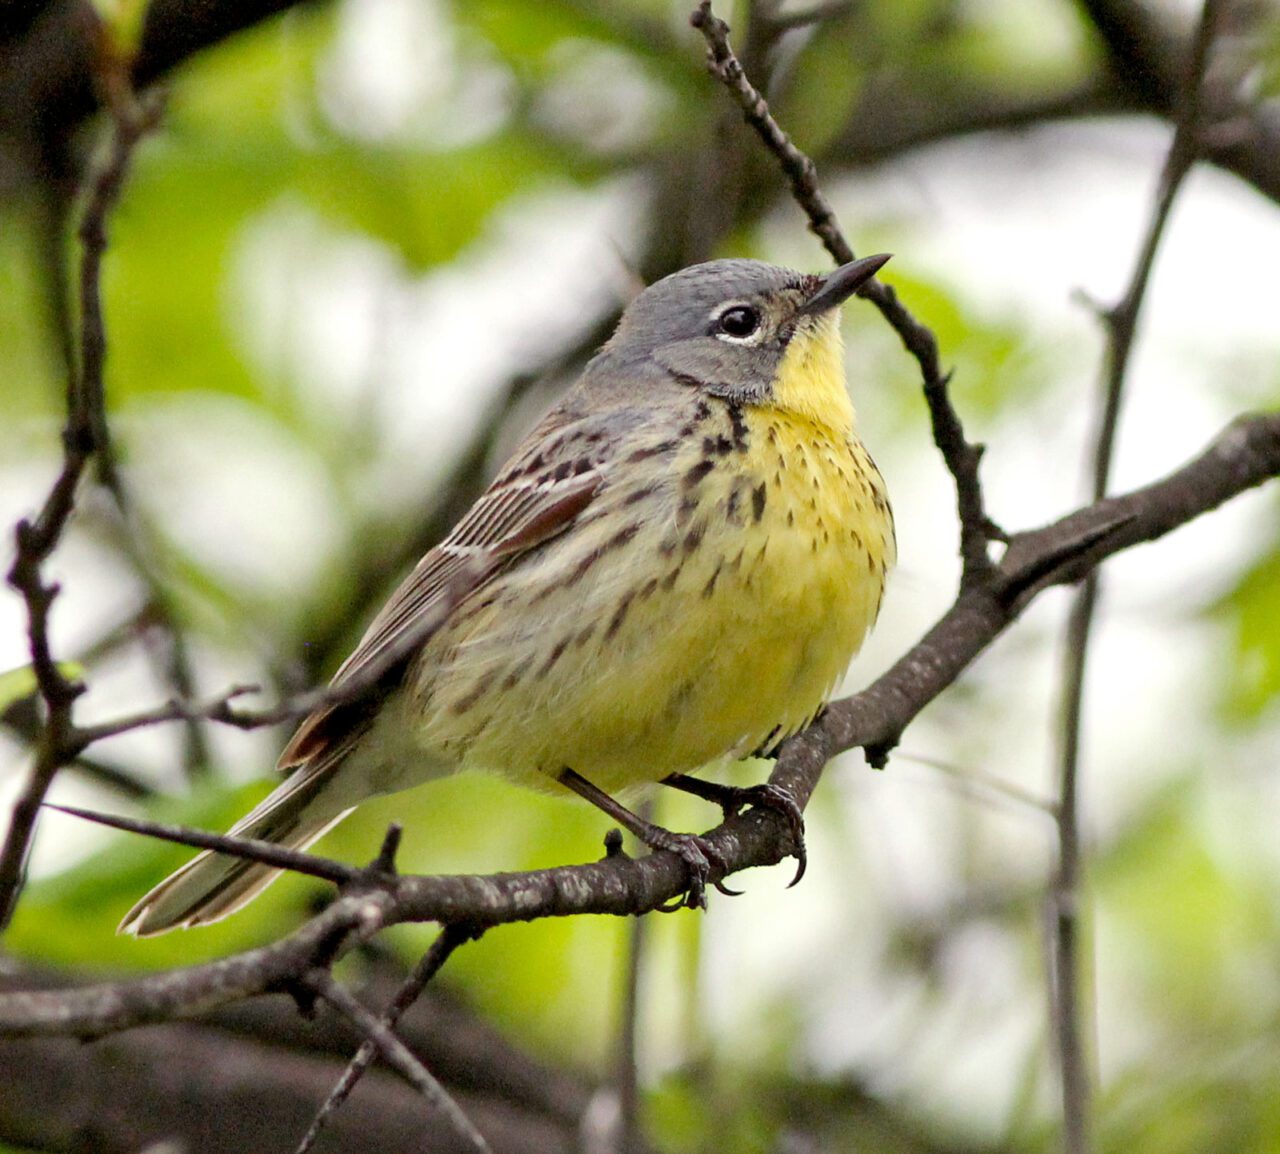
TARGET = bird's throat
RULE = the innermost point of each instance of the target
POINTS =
(810, 381)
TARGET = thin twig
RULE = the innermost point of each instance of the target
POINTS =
(448, 940)
(627, 1064)
(84, 435)
(355, 687)
(23, 718)
(160, 631)
(248, 848)
(1246, 454)
(976, 783)
(1069, 1002)
(397, 1055)
(961, 457)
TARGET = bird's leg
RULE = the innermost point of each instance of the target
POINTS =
(697, 854)
(732, 799)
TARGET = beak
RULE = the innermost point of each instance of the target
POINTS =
(837, 287)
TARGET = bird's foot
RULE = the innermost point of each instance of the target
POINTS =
(774, 797)
(699, 857)
(733, 799)
(698, 854)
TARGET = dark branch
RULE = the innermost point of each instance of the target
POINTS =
(1151, 60)
(1245, 455)
(83, 436)
(397, 1055)
(250, 849)
(450, 938)
(357, 687)
(962, 458)
(1069, 1007)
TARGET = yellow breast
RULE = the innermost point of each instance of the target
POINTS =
(718, 619)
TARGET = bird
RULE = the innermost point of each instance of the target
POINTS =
(673, 571)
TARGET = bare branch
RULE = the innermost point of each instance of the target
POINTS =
(397, 1055)
(92, 1011)
(250, 849)
(84, 436)
(1069, 1009)
(1245, 455)
(961, 457)
(449, 939)
(252, 1074)
(354, 688)
(628, 1135)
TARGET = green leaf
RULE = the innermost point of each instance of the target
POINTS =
(17, 684)
(1251, 682)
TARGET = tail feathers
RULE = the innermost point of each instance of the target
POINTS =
(212, 885)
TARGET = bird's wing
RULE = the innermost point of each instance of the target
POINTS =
(540, 494)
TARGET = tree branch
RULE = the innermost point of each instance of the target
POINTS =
(1151, 60)
(252, 1074)
(1068, 999)
(397, 1055)
(84, 435)
(961, 458)
(449, 939)
(1245, 455)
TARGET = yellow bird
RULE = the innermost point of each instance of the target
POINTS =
(675, 568)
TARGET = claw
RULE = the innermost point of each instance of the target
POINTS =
(802, 863)
(733, 799)
(698, 856)
(769, 796)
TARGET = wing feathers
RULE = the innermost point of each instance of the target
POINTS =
(539, 496)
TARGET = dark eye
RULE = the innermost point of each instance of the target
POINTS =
(738, 322)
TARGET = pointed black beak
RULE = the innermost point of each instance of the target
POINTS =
(840, 285)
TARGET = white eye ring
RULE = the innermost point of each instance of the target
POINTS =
(738, 323)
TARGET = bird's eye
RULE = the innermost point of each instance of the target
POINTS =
(738, 323)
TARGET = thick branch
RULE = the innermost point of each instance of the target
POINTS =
(251, 1075)
(1245, 455)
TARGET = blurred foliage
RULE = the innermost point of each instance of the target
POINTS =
(253, 429)
(1252, 684)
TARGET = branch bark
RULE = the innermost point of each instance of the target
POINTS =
(1244, 456)
(251, 1075)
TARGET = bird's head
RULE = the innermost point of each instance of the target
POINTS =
(749, 332)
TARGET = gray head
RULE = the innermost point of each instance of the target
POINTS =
(725, 326)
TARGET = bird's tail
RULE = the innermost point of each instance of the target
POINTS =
(212, 885)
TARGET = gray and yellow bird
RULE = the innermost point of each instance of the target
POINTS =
(675, 568)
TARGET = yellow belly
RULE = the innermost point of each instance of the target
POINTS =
(721, 623)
